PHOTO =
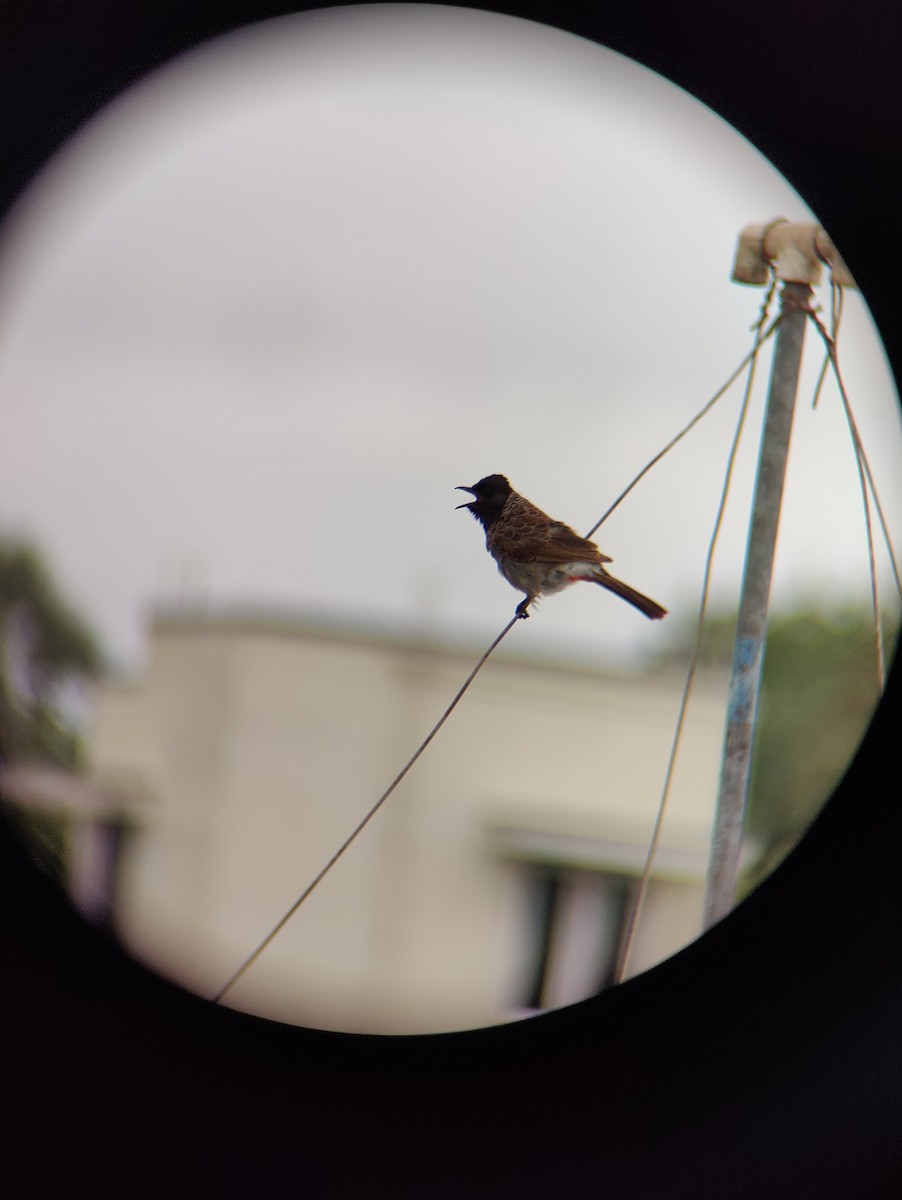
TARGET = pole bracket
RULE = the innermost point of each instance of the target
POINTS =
(797, 251)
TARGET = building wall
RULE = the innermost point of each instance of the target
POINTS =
(253, 748)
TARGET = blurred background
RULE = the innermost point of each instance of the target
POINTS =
(258, 320)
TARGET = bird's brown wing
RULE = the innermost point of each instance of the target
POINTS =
(524, 533)
(565, 545)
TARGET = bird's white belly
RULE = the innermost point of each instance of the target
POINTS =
(538, 578)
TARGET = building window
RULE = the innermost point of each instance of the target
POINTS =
(95, 849)
(573, 925)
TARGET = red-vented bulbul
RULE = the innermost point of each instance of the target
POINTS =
(540, 556)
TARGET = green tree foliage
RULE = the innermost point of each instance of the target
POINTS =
(44, 645)
(819, 689)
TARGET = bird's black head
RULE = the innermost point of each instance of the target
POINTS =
(488, 500)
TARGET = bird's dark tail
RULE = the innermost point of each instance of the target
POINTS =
(653, 611)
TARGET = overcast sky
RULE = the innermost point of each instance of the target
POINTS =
(267, 310)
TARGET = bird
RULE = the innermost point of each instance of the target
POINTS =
(538, 555)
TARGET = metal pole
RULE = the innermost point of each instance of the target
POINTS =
(748, 653)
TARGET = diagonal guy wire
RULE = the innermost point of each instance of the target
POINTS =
(251, 958)
(365, 820)
(866, 481)
(639, 898)
(759, 341)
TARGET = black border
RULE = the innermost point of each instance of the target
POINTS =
(765, 1060)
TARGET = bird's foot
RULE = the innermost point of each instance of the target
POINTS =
(521, 610)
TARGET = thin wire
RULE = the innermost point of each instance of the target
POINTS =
(277, 928)
(639, 897)
(759, 341)
(252, 958)
(865, 480)
(837, 296)
(859, 449)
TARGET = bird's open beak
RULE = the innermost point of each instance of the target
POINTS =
(463, 488)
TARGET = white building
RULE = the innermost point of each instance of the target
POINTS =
(494, 880)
